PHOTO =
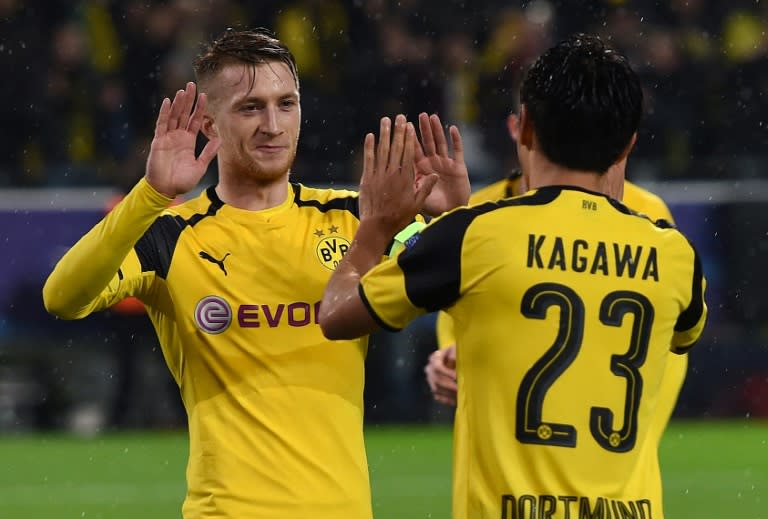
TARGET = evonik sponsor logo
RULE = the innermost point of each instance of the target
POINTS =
(213, 314)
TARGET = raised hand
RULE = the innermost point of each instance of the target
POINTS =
(390, 196)
(433, 158)
(172, 167)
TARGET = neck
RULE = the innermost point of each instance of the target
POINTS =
(546, 173)
(250, 193)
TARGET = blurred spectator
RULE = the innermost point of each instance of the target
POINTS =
(91, 77)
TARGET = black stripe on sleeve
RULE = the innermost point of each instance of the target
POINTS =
(432, 264)
(155, 248)
(373, 313)
(345, 203)
(691, 315)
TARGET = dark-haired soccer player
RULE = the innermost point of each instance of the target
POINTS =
(440, 370)
(566, 303)
(232, 281)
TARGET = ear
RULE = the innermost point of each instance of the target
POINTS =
(525, 131)
(209, 127)
(513, 126)
(630, 145)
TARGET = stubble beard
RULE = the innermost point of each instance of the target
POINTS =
(255, 170)
(274, 171)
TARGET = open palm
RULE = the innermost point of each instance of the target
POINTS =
(172, 167)
(432, 157)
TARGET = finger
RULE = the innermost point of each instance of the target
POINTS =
(432, 385)
(458, 144)
(432, 381)
(398, 144)
(437, 130)
(189, 101)
(409, 151)
(424, 188)
(382, 152)
(209, 151)
(176, 107)
(161, 126)
(196, 121)
(446, 384)
(418, 151)
(369, 154)
(445, 400)
(436, 356)
(442, 372)
(425, 128)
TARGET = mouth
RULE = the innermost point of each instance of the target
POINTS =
(270, 148)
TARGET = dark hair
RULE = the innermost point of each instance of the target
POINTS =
(584, 101)
(250, 47)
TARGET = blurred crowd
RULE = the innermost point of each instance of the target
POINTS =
(84, 78)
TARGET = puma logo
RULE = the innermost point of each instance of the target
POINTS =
(210, 258)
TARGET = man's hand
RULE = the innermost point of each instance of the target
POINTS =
(433, 158)
(441, 375)
(172, 168)
(390, 196)
(389, 200)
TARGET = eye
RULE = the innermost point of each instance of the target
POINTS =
(288, 103)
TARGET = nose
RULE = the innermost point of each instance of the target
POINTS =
(271, 125)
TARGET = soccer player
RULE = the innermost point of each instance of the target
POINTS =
(232, 281)
(567, 304)
(440, 370)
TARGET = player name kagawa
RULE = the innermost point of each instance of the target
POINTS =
(529, 506)
(603, 258)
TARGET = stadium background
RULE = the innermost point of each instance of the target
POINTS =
(90, 424)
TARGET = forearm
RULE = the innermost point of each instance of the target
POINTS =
(88, 267)
(342, 312)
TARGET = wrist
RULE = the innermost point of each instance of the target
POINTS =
(373, 236)
(159, 188)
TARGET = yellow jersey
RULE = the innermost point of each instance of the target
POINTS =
(639, 200)
(275, 410)
(566, 305)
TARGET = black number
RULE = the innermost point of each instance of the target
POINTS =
(537, 381)
(615, 306)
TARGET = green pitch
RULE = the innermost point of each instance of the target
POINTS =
(712, 470)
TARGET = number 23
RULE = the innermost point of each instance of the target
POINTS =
(530, 398)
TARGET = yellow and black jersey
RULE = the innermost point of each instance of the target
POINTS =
(566, 306)
(275, 409)
(639, 200)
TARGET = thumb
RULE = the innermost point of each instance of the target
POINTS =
(209, 152)
(425, 186)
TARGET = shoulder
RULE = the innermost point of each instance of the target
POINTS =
(493, 191)
(325, 199)
(504, 188)
(204, 203)
(645, 202)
